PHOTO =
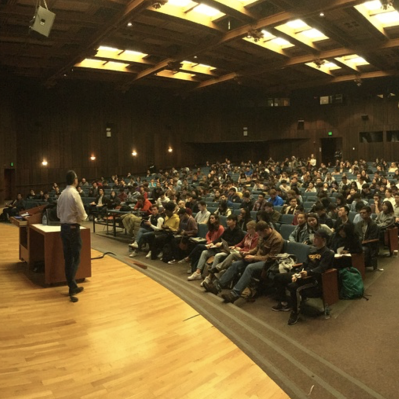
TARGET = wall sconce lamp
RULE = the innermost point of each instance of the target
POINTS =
(170, 149)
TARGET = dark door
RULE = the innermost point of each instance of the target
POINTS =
(9, 184)
(328, 148)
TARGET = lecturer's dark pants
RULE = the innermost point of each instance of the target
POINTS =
(72, 243)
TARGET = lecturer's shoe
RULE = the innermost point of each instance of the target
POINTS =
(75, 291)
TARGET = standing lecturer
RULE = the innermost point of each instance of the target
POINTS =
(71, 212)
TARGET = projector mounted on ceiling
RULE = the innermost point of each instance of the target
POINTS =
(43, 20)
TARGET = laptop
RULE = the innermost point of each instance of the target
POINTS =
(226, 248)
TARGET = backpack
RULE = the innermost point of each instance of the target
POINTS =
(351, 283)
(282, 264)
(167, 253)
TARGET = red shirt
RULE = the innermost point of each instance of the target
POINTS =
(146, 207)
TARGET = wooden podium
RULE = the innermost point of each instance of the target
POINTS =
(41, 248)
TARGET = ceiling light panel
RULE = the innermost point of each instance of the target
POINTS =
(121, 55)
(181, 3)
(313, 34)
(352, 61)
(208, 11)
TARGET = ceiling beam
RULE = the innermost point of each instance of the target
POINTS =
(330, 54)
(311, 9)
(339, 79)
(378, 32)
(132, 9)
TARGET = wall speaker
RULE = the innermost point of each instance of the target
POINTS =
(365, 117)
(43, 21)
(301, 124)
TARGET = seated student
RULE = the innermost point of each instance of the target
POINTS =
(343, 217)
(332, 211)
(389, 196)
(273, 214)
(248, 243)
(148, 227)
(254, 261)
(260, 203)
(396, 208)
(232, 235)
(122, 195)
(299, 209)
(246, 202)
(188, 227)
(143, 205)
(345, 241)
(13, 208)
(386, 218)
(275, 199)
(215, 230)
(366, 192)
(162, 199)
(313, 225)
(311, 188)
(202, 216)
(31, 195)
(320, 259)
(266, 217)
(243, 218)
(168, 229)
(368, 233)
(223, 209)
(192, 203)
(80, 191)
(99, 205)
(289, 209)
(300, 233)
(355, 199)
(233, 197)
(113, 201)
(93, 192)
(320, 209)
(284, 186)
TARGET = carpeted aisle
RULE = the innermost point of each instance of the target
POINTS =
(351, 355)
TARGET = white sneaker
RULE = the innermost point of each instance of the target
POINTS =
(134, 245)
(160, 255)
(148, 256)
(172, 262)
(184, 260)
(133, 254)
(189, 271)
(207, 281)
(194, 276)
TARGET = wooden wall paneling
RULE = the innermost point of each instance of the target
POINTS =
(8, 134)
(70, 124)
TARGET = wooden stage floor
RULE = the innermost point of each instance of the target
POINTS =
(127, 337)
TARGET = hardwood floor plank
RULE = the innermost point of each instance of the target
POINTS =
(127, 337)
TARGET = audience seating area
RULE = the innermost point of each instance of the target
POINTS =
(180, 185)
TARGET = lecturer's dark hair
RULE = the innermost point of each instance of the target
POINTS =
(70, 177)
